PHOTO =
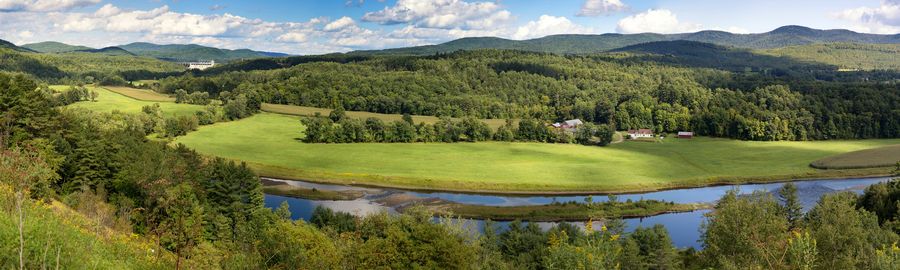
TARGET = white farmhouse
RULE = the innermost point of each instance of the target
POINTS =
(640, 133)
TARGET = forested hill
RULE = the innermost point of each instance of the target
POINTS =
(171, 52)
(109, 51)
(193, 52)
(845, 55)
(55, 47)
(580, 44)
(9, 45)
(699, 54)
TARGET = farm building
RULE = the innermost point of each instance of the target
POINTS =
(640, 133)
(685, 135)
(569, 125)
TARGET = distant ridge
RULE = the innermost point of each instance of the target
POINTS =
(55, 47)
(109, 51)
(784, 36)
(193, 52)
(11, 46)
(171, 52)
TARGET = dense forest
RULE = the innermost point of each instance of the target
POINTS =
(845, 55)
(208, 213)
(626, 91)
(104, 67)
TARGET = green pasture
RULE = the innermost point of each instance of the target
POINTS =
(111, 101)
(140, 94)
(270, 143)
(887, 156)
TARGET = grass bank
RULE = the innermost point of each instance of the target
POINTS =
(286, 190)
(56, 236)
(887, 156)
(562, 211)
(270, 144)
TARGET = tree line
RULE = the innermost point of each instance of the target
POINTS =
(494, 84)
(338, 128)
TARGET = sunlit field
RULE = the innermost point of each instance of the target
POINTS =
(111, 101)
(270, 142)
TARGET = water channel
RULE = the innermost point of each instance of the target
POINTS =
(684, 228)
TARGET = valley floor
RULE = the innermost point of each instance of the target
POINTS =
(271, 144)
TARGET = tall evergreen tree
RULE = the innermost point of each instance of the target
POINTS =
(790, 203)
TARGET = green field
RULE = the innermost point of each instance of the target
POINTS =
(270, 143)
(140, 94)
(110, 101)
(887, 156)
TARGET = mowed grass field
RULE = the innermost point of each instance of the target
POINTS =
(140, 94)
(109, 101)
(311, 111)
(270, 143)
(887, 156)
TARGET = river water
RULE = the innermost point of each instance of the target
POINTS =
(684, 228)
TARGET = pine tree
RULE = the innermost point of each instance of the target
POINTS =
(790, 201)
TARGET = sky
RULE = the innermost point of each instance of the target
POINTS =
(325, 26)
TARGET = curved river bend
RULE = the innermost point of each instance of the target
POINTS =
(684, 228)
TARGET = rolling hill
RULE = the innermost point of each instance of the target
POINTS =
(113, 51)
(578, 44)
(9, 45)
(699, 54)
(55, 47)
(193, 52)
(845, 55)
(171, 52)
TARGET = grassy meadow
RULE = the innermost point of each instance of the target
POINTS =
(140, 94)
(111, 101)
(271, 144)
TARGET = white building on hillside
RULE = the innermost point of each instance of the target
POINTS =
(200, 65)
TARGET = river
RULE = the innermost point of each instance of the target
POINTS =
(684, 228)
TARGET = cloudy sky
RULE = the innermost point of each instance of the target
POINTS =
(322, 26)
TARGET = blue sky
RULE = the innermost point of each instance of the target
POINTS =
(323, 26)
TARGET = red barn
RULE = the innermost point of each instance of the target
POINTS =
(685, 135)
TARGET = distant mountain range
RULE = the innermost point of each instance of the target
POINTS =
(704, 46)
(173, 52)
(578, 44)
(54, 47)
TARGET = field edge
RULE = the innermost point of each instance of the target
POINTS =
(378, 181)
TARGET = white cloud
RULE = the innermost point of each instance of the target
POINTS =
(549, 25)
(435, 21)
(600, 7)
(339, 24)
(43, 5)
(107, 11)
(660, 21)
(295, 37)
(26, 34)
(884, 19)
(443, 14)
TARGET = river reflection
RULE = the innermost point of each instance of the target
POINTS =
(684, 228)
